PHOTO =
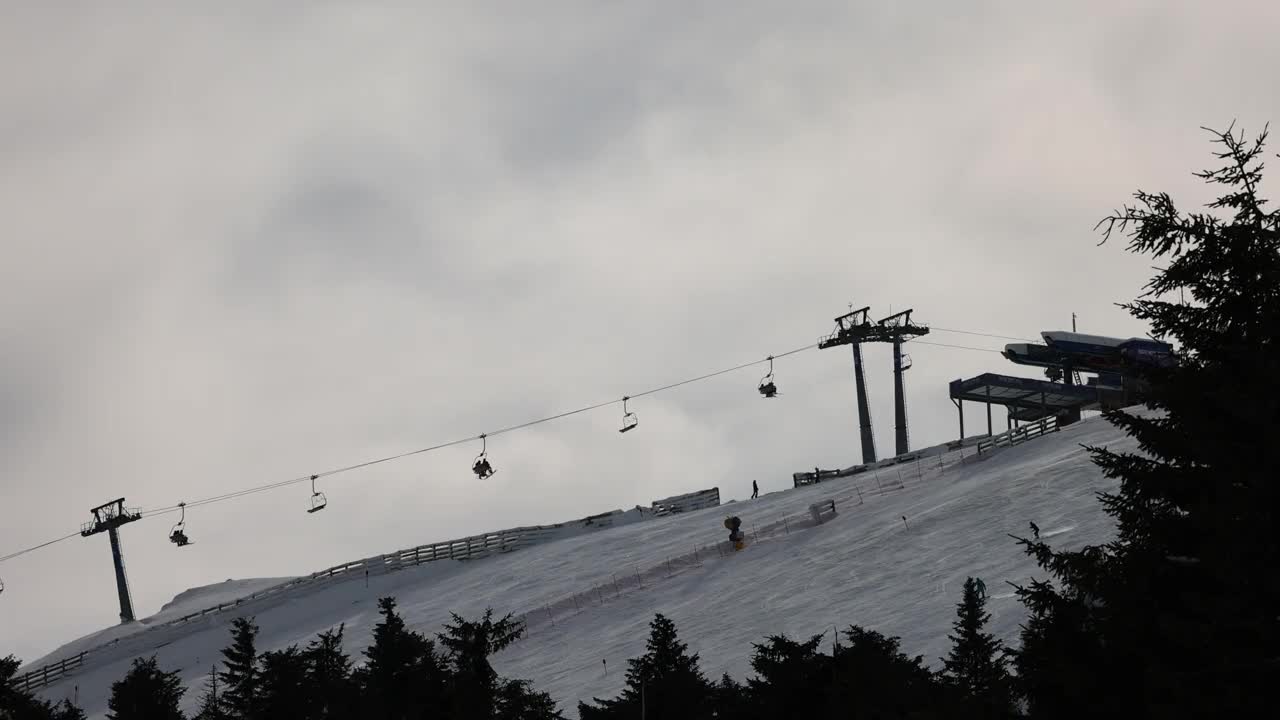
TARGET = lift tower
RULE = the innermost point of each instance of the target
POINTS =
(108, 518)
(854, 329)
(897, 329)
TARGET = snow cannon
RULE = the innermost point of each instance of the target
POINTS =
(736, 538)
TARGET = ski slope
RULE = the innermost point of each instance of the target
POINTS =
(589, 599)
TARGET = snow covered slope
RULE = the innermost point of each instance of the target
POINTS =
(590, 598)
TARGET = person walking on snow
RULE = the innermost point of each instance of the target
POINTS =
(755, 490)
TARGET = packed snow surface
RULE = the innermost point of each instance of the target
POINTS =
(893, 560)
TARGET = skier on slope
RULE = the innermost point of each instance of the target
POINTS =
(755, 490)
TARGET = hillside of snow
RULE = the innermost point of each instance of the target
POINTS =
(893, 560)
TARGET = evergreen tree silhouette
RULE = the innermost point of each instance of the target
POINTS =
(211, 700)
(146, 693)
(791, 678)
(240, 677)
(282, 685)
(976, 667)
(872, 678)
(329, 677)
(402, 677)
(66, 711)
(1177, 616)
(729, 699)
(517, 700)
(469, 645)
(666, 680)
(22, 705)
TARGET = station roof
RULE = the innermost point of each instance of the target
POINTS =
(1026, 398)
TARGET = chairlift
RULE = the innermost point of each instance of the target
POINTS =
(318, 500)
(767, 387)
(481, 466)
(629, 419)
(178, 536)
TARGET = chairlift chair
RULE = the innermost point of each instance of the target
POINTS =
(318, 500)
(178, 536)
(768, 388)
(481, 466)
(629, 419)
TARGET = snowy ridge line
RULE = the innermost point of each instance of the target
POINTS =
(602, 593)
(473, 547)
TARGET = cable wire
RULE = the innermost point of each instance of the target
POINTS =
(980, 334)
(328, 473)
(946, 345)
(20, 553)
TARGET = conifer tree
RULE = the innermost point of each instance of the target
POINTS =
(871, 677)
(1177, 616)
(402, 676)
(22, 705)
(211, 707)
(240, 677)
(517, 700)
(976, 667)
(282, 685)
(666, 680)
(729, 699)
(146, 693)
(791, 678)
(328, 676)
(66, 711)
(469, 645)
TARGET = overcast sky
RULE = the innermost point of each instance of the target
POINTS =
(260, 240)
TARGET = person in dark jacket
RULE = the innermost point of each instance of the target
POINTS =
(755, 490)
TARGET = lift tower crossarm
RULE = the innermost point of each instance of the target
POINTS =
(898, 329)
(852, 329)
(107, 518)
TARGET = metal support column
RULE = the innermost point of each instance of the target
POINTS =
(122, 583)
(989, 433)
(960, 407)
(864, 411)
(899, 401)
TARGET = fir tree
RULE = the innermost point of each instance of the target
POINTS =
(469, 645)
(729, 699)
(791, 678)
(1177, 617)
(666, 681)
(211, 706)
(282, 685)
(66, 711)
(240, 677)
(976, 668)
(21, 705)
(146, 693)
(517, 700)
(329, 676)
(871, 677)
(402, 676)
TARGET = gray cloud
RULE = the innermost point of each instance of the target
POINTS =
(247, 244)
